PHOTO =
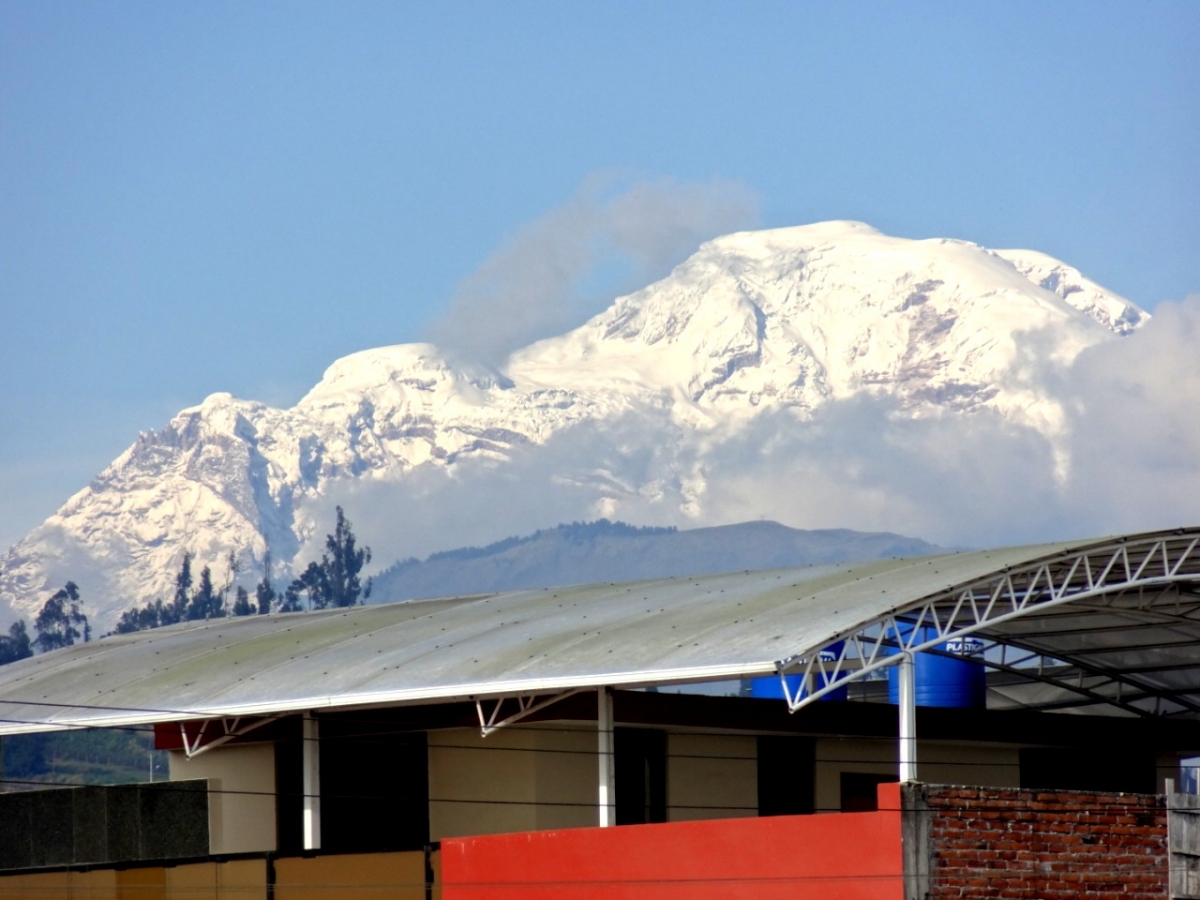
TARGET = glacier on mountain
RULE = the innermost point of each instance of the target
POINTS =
(767, 326)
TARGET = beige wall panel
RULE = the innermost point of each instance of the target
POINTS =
(481, 785)
(946, 763)
(838, 755)
(360, 876)
(566, 773)
(711, 776)
(241, 801)
(1167, 765)
(938, 762)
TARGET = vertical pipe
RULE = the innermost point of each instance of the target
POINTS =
(908, 719)
(312, 782)
(606, 795)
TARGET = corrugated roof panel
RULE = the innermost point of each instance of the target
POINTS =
(617, 634)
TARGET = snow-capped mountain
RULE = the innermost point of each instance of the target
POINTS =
(778, 322)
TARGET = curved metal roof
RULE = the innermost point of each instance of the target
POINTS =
(1120, 615)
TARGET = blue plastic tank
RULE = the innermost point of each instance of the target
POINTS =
(955, 682)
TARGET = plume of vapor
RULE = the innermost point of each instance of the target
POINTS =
(567, 265)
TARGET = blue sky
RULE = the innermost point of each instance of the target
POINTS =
(229, 196)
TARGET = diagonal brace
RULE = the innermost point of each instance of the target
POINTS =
(527, 704)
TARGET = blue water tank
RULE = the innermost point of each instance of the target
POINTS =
(958, 683)
(770, 687)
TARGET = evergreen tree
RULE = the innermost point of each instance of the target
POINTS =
(313, 583)
(16, 644)
(183, 587)
(264, 593)
(241, 606)
(141, 618)
(59, 622)
(334, 581)
(206, 602)
(152, 615)
(291, 597)
(341, 564)
(129, 621)
(232, 568)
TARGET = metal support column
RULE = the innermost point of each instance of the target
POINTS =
(908, 720)
(607, 796)
(312, 782)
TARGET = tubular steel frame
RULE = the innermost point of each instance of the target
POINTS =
(1148, 571)
(230, 728)
(527, 704)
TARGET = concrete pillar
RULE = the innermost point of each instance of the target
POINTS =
(908, 719)
(606, 795)
(312, 782)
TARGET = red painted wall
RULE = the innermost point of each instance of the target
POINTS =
(850, 856)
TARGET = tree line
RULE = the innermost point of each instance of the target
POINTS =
(60, 623)
(333, 581)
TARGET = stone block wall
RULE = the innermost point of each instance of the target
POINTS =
(103, 824)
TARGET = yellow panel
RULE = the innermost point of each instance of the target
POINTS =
(361, 876)
(236, 880)
(142, 884)
(45, 886)
(100, 884)
(193, 882)
(242, 879)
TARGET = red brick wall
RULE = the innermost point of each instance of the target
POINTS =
(1045, 845)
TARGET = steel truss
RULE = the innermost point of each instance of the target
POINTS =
(230, 728)
(1137, 581)
(527, 704)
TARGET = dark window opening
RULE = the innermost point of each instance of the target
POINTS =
(1105, 769)
(374, 789)
(859, 792)
(641, 775)
(289, 789)
(786, 775)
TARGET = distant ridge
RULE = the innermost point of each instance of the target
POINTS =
(583, 552)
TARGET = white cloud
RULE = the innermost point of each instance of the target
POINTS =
(956, 479)
(1127, 456)
(1134, 410)
(1132, 445)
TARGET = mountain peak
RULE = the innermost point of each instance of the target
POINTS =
(624, 416)
(791, 238)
